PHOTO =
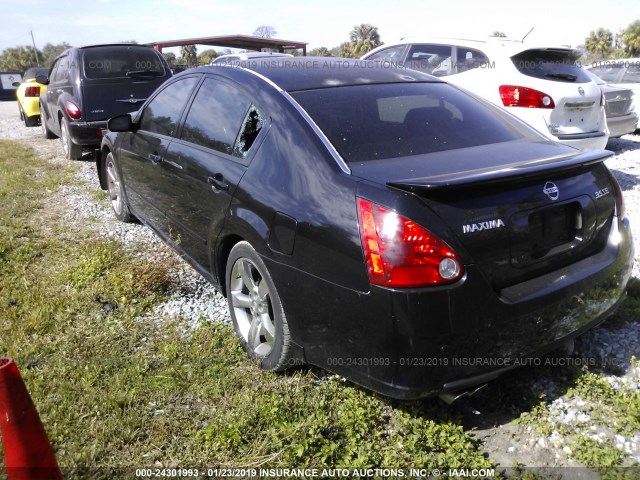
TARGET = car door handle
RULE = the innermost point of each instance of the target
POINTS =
(155, 158)
(217, 182)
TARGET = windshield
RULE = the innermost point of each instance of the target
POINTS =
(370, 122)
(118, 61)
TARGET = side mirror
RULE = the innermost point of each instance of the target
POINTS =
(15, 84)
(120, 123)
(42, 79)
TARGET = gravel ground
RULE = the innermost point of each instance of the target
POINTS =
(196, 301)
(192, 298)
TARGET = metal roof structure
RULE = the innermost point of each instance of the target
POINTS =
(246, 42)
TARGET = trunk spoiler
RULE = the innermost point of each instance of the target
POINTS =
(514, 171)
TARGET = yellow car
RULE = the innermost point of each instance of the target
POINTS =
(28, 94)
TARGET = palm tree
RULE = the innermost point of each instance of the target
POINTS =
(599, 42)
(364, 38)
(631, 39)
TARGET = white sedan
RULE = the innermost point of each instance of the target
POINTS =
(544, 86)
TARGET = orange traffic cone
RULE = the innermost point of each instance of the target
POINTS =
(27, 452)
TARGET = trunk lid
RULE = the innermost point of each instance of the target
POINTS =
(102, 100)
(514, 219)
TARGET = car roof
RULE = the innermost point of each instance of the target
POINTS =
(309, 73)
(254, 55)
(489, 45)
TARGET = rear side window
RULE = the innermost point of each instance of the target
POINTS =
(371, 122)
(163, 113)
(223, 118)
(554, 65)
(121, 62)
(432, 59)
(469, 58)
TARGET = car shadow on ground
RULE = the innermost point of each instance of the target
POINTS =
(625, 143)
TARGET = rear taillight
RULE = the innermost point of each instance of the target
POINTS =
(73, 110)
(515, 96)
(32, 92)
(401, 253)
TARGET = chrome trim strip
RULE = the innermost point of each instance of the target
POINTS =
(323, 138)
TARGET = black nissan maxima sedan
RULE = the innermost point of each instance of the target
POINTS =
(374, 221)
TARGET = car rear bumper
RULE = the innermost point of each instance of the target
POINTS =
(30, 106)
(585, 143)
(414, 343)
(622, 125)
(87, 133)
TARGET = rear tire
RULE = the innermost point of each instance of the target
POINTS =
(117, 196)
(71, 150)
(32, 121)
(256, 310)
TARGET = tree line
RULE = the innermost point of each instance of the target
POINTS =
(598, 45)
(603, 44)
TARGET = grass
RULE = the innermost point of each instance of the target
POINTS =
(117, 387)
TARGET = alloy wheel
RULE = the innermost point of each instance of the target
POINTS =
(251, 302)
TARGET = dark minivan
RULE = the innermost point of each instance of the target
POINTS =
(88, 85)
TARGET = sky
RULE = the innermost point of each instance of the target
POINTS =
(319, 23)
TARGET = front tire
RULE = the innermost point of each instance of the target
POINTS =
(48, 134)
(256, 310)
(71, 150)
(118, 198)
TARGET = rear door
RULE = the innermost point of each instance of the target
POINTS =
(117, 79)
(220, 134)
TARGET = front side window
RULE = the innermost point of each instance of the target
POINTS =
(163, 113)
(371, 122)
(432, 59)
(222, 117)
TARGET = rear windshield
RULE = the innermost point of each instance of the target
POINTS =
(121, 61)
(555, 65)
(371, 122)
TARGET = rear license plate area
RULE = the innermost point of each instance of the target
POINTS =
(552, 227)
(540, 234)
